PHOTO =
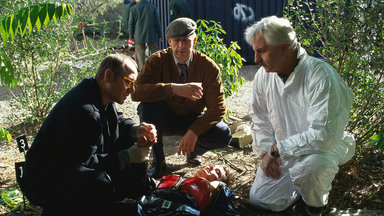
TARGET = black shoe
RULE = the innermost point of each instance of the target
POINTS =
(302, 209)
(194, 159)
(310, 210)
(157, 170)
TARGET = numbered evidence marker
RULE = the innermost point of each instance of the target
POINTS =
(19, 171)
(19, 175)
(22, 143)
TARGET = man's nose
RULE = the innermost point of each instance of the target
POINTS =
(182, 43)
(257, 58)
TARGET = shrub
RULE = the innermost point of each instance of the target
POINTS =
(350, 36)
(229, 61)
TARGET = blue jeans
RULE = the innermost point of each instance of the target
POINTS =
(167, 124)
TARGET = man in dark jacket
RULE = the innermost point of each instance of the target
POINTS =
(86, 157)
(144, 28)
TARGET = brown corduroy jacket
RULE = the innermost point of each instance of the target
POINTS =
(154, 83)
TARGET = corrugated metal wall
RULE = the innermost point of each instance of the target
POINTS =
(234, 16)
(162, 6)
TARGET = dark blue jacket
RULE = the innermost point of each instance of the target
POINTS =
(144, 23)
(75, 147)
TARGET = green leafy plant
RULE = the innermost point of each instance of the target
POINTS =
(23, 22)
(229, 61)
(378, 140)
(350, 36)
(5, 135)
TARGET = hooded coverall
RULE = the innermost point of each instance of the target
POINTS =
(306, 117)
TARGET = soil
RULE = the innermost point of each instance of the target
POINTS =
(358, 188)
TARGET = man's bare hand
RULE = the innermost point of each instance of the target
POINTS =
(271, 167)
(187, 143)
(146, 135)
(193, 90)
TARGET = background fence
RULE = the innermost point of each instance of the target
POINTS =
(234, 16)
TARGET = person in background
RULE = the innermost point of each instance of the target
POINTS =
(86, 158)
(144, 29)
(179, 8)
(181, 93)
(300, 108)
(129, 4)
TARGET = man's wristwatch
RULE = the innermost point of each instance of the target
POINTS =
(273, 154)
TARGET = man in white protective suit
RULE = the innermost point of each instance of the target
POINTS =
(299, 107)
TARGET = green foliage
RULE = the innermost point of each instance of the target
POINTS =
(350, 36)
(46, 66)
(378, 140)
(4, 135)
(12, 197)
(228, 60)
(23, 21)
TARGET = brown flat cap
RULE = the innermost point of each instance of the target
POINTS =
(181, 27)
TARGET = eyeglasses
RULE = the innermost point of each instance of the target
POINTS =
(130, 81)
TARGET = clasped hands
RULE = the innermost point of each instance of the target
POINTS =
(271, 166)
(193, 90)
(146, 138)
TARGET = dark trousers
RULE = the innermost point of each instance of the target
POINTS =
(102, 195)
(167, 124)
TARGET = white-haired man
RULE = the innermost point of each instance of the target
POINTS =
(299, 107)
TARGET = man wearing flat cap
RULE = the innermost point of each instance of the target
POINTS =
(181, 93)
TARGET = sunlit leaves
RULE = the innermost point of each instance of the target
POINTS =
(4, 135)
(26, 18)
(229, 61)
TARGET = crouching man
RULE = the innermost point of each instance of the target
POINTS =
(299, 107)
(87, 158)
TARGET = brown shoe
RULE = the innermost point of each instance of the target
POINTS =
(194, 159)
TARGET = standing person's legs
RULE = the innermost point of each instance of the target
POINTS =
(140, 55)
(153, 47)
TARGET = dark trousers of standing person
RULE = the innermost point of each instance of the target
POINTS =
(140, 53)
(167, 123)
(100, 196)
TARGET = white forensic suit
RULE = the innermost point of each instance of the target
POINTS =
(306, 117)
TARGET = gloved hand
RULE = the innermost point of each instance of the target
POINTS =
(134, 154)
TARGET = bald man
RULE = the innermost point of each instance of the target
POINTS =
(86, 157)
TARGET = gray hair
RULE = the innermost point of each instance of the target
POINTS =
(277, 31)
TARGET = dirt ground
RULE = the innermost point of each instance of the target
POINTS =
(357, 190)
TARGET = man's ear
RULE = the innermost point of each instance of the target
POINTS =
(284, 49)
(108, 75)
(169, 41)
(194, 41)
